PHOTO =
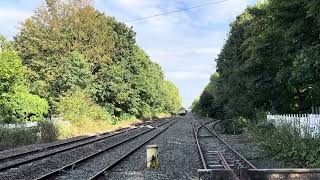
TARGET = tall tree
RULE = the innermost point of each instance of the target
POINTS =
(270, 62)
(16, 103)
(69, 43)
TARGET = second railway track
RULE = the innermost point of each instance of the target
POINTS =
(47, 166)
(216, 154)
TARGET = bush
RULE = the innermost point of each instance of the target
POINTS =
(10, 138)
(64, 128)
(43, 133)
(48, 131)
(162, 115)
(288, 145)
(16, 103)
(78, 108)
(235, 126)
(22, 107)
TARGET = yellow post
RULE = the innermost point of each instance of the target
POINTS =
(152, 157)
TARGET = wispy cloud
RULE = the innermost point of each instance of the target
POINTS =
(10, 19)
(185, 44)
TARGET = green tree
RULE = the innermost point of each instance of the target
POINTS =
(16, 103)
(69, 43)
(78, 107)
(172, 98)
(270, 62)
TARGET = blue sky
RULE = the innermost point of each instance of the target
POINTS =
(185, 44)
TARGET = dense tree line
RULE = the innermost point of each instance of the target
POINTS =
(269, 63)
(68, 48)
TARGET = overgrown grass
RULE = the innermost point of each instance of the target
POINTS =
(49, 132)
(78, 115)
(288, 145)
(90, 127)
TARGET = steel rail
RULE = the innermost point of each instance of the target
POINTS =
(102, 172)
(70, 165)
(232, 149)
(223, 161)
(195, 134)
(62, 150)
(112, 133)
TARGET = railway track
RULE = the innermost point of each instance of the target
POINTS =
(217, 155)
(118, 138)
(74, 143)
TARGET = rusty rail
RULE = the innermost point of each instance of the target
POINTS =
(195, 133)
(251, 166)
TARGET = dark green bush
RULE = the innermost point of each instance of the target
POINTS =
(234, 126)
(48, 131)
(288, 145)
(43, 133)
(10, 138)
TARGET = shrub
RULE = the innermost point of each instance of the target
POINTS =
(43, 133)
(16, 103)
(126, 117)
(161, 115)
(48, 131)
(64, 129)
(288, 145)
(10, 138)
(78, 108)
(22, 107)
(234, 126)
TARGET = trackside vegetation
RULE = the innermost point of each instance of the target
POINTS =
(270, 63)
(288, 145)
(71, 62)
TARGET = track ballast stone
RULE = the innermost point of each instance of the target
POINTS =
(177, 152)
(45, 165)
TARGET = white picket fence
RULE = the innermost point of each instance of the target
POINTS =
(301, 121)
(22, 125)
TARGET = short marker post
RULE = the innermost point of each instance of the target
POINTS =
(153, 157)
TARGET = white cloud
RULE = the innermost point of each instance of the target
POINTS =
(185, 44)
(10, 20)
(222, 12)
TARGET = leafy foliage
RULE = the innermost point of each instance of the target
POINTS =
(173, 100)
(77, 107)
(269, 63)
(68, 44)
(17, 104)
(287, 144)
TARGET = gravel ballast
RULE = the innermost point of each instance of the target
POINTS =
(45, 165)
(249, 149)
(177, 152)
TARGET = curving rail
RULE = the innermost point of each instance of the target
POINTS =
(216, 160)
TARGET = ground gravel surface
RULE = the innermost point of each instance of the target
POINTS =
(45, 165)
(249, 149)
(31, 147)
(246, 146)
(87, 169)
(178, 157)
